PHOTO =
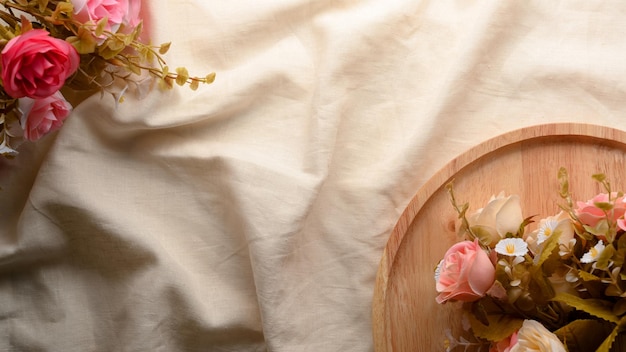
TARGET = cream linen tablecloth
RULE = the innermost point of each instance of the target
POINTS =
(251, 215)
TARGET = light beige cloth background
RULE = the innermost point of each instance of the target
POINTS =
(251, 215)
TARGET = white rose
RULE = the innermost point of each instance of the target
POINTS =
(534, 337)
(502, 215)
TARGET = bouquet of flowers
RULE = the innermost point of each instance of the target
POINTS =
(559, 287)
(56, 53)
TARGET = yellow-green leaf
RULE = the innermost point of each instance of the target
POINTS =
(500, 326)
(548, 247)
(619, 308)
(584, 335)
(83, 42)
(134, 68)
(587, 276)
(164, 48)
(483, 235)
(42, 5)
(600, 229)
(182, 75)
(194, 84)
(597, 308)
(210, 78)
(563, 182)
(608, 342)
(100, 27)
(606, 206)
(26, 24)
(605, 257)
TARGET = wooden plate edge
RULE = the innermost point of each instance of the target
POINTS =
(382, 342)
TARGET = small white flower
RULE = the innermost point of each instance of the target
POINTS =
(438, 270)
(571, 276)
(513, 247)
(518, 260)
(546, 229)
(593, 254)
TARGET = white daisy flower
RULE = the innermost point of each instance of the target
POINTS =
(594, 253)
(546, 229)
(513, 247)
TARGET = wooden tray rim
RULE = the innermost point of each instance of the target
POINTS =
(382, 337)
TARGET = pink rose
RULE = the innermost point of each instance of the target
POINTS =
(117, 12)
(589, 214)
(42, 116)
(465, 273)
(36, 65)
(504, 345)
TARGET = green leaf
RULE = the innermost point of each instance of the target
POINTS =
(483, 235)
(182, 75)
(603, 205)
(619, 308)
(563, 182)
(548, 247)
(540, 287)
(529, 220)
(620, 256)
(84, 42)
(164, 48)
(101, 26)
(599, 230)
(584, 335)
(605, 257)
(599, 177)
(595, 307)
(587, 276)
(608, 342)
(500, 326)
(210, 78)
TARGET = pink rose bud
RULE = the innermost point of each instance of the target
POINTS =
(117, 12)
(36, 65)
(589, 214)
(42, 116)
(465, 273)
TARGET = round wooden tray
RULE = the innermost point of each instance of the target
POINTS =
(525, 162)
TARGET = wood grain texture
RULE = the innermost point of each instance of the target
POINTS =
(525, 162)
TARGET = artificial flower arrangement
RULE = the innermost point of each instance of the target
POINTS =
(55, 53)
(559, 287)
